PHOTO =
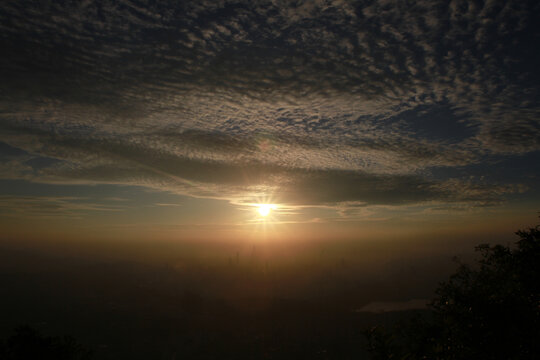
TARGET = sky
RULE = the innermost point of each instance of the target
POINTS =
(127, 122)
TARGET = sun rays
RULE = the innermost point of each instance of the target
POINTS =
(265, 209)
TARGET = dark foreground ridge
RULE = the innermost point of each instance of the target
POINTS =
(489, 311)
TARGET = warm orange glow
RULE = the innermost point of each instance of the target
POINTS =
(264, 209)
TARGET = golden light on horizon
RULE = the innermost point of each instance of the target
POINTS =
(265, 209)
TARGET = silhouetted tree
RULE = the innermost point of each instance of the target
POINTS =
(26, 343)
(490, 311)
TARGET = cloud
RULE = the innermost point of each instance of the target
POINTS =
(323, 101)
(47, 206)
(129, 162)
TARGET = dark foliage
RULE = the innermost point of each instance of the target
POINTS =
(26, 343)
(489, 311)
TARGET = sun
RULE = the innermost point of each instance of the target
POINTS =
(264, 209)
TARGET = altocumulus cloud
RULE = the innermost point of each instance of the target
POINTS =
(318, 102)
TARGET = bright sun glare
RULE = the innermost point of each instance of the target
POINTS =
(264, 209)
